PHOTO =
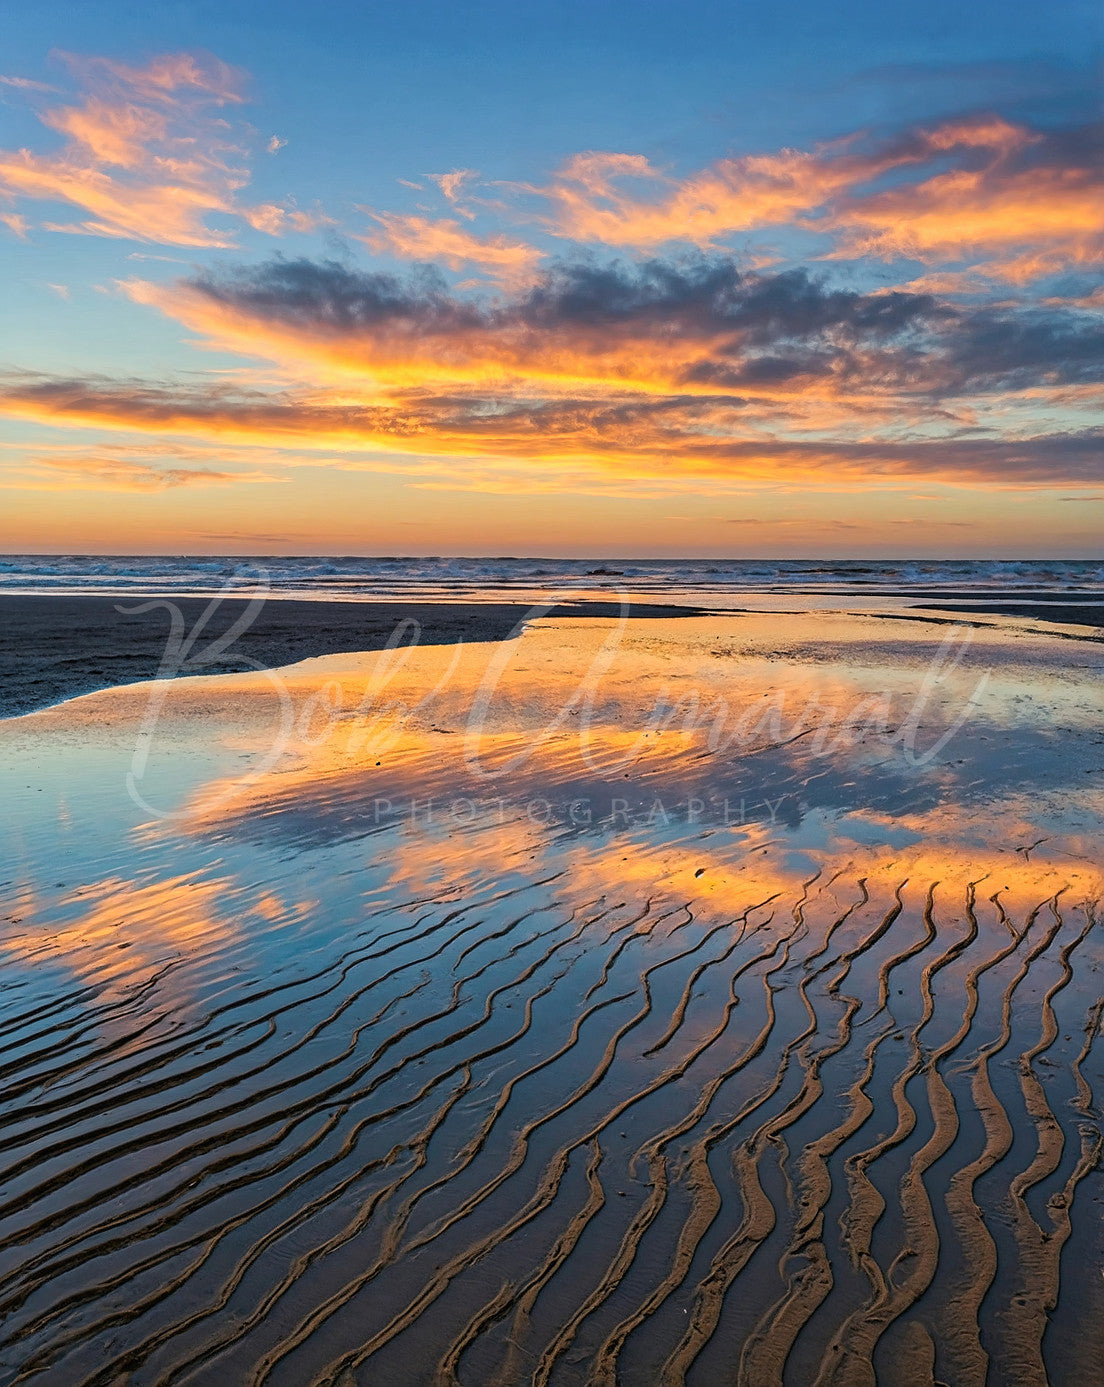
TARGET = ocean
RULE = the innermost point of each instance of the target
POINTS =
(715, 582)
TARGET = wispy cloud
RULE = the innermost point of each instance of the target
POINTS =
(99, 473)
(148, 155)
(145, 156)
(453, 184)
(276, 219)
(16, 223)
(444, 239)
(26, 84)
(1026, 202)
(1024, 205)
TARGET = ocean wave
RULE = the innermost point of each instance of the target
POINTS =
(491, 579)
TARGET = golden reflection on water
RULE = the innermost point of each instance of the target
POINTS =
(499, 1010)
(717, 762)
(117, 934)
(693, 757)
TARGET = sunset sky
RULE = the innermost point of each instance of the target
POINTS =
(560, 278)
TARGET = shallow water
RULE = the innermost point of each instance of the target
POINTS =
(696, 1001)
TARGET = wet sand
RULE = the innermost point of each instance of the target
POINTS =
(1086, 612)
(670, 1001)
(58, 647)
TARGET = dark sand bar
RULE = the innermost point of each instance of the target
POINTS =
(57, 647)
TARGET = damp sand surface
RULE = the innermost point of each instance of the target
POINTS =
(710, 1000)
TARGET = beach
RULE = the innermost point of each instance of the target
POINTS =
(71, 625)
(58, 646)
(551, 720)
(629, 1000)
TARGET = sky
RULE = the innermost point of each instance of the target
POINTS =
(622, 279)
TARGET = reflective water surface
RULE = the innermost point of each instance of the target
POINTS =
(712, 1000)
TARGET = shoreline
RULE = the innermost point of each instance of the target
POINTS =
(57, 647)
(54, 648)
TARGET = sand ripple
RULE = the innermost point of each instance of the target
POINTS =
(843, 1136)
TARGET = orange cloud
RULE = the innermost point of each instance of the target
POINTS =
(672, 368)
(695, 330)
(15, 223)
(768, 349)
(144, 157)
(684, 365)
(451, 184)
(275, 219)
(47, 472)
(590, 203)
(1042, 219)
(444, 239)
(172, 74)
(1035, 200)
(147, 156)
(682, 440)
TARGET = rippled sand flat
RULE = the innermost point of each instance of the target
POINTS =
(713, 1000)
